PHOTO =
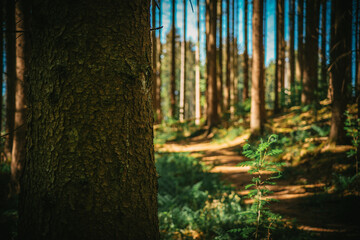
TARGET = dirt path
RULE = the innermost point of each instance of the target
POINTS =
(326, 218)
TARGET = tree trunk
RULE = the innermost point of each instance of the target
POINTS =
(257, 83)
(1, 64)
(11, 76)
(197, 69)
(158, 73)
(311, 57)
(90, 169)
(232, 62)
(22, 58)
(292, 50)
(246, 56)
(172, 74)
(340, 58)
(228, 67)
(280, 57)
(219, 62)
(212, 113)
(300, 55)
(154, 57)
(183, 70)
(323, 82)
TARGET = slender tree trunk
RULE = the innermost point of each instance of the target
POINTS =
(154, 56)
(246, 56)
(232, 61)
(310, 81)
(300, 56)
(172, 75)
(323, 82)
(357, 45)
(11, 76)
(219, 62)
(340, 58)
(1, 63)
(257, 84)
(158, 72)
(183, 70)
(228, 66)
(280, 56)
(212, 113)
(197, 69)
(90, 169)
(22, 52)
(292, 50)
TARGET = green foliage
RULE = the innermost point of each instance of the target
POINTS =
(260, 220)
(223, 135)
(352, 127)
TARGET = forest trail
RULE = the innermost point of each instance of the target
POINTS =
(300, 200)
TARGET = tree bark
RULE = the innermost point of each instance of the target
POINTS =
(292, 50)
(340, 68)
(172, 75)
(280, 57)
(310, 81)
(212, 113)
(183, 71)
(11, 76)
(257, 83)
(158, 72)
(246, 56)
(220, 62)
(300, 56)
(154, 55)
(228, 66)
(90, 169)
(1, 64)
(323, 82)
(197, 69)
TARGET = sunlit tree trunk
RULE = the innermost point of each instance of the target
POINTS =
(257, 83)
(219, 62)
(212, 113)
(228, 66)
(158, 72)
(22, 52)
(246, 56)
(183, 70)
(11, 76)
(232, 61)
(172, 75)
(340, 60)
(197, 69)
(90, 169)
(323, 82)
(291, 49)
(311, 57)
(280, 56)
(300, 56)
(154, 53)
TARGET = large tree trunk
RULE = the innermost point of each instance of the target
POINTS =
(311, 57)
(172, 73)
(90, 169)
(300, 56)
(280, 57)
(292, 50)
(228, 66)
(219, 62)
(212, 113)
(257, 83)
(246, 56)
(323, 82)
(11, 76)
(22, 58)
(340, 59)
(197, 69)
(183, 70)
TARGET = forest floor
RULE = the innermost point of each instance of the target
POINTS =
(307, 192)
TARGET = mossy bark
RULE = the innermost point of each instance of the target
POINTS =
(90, 171)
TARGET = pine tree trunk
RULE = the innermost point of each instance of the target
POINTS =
(11, 77)
(292, 51)
(257, 84)
(246, 56)
(197, 69)
(154, 54)
(90, 169)
(232, 62)
(212, 113)
(300, 56)
(219, 62)
(310, 80)
(323, 82)
(158, 72)
(280, 56)
(22, 58)
(228, 66)
(172, 74)
(340, 60)
(183, 70)
(1, 64)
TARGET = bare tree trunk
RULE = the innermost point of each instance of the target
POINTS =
(1, 64)
(154, 52)
(246, 56)
(158, 72)
(232, 62)
(292, 50)
(172, 75)
(197, 69)
(323, 82)
(11, 76)
(310, 81)
(220, 62)
(228, 66)
(212, 113)
(257, 84)
(280, 56)
(183, 70)
(300, 56)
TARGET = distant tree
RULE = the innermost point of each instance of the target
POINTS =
(311, 48)
(220, 61)
(158, 72)
(197, 69)
(172, 76)
(340, 66)
(227, 64)
(280, 56)
(323, 82)
(257, 84)
(10, 76)
(212, 113)
(22, 58)
(232, 61)
(183, 70)
(300, 50)
(90, 168)
(292, 49)
(1, 61)
(246, 56)
(154, 54)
